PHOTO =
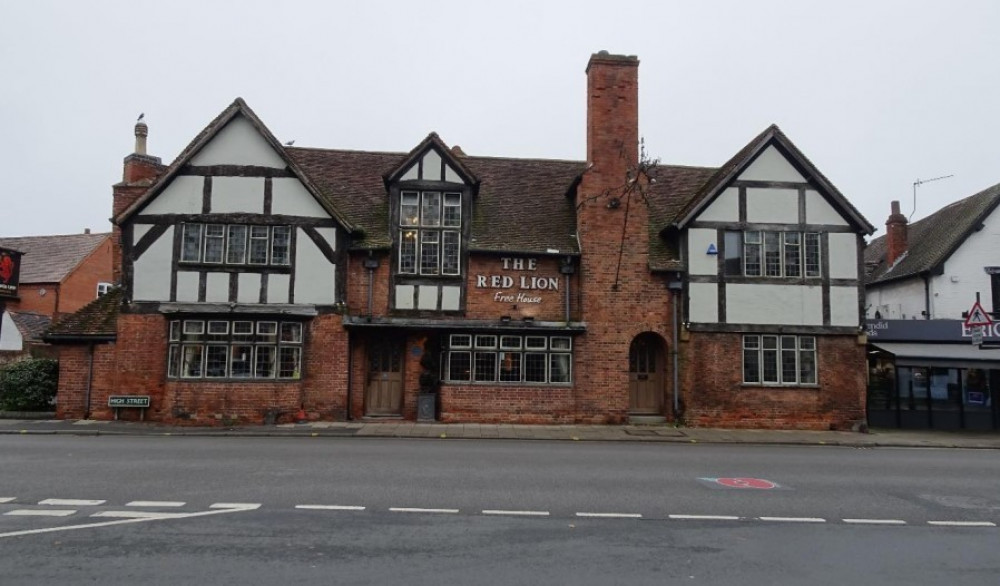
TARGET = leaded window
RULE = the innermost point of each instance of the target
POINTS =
(489, 358)
(236, 244)
(426, 244)
(756, 253)
(779, 360)
(234, 349)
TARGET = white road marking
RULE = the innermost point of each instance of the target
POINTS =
(793, 519)
(417, 510)
(246, 506)
(123, 522)
(875, 521)
(962, 523)
(137, 515)
(520, 513)
(330, 507)
(72, 502)
(42, 512)
(704, 517)
(7, 499)
(611, 515)
(155, 504)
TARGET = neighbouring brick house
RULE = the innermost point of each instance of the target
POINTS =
(261, 280)
(58, 275)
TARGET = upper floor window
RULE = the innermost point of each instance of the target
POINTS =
(758, 253)
(236, 244)
(103, 288)
(430, 229)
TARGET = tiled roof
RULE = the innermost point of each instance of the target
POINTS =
(673, 189)
(932, 240)
(522, 204)
(31, 325)
(49, 259)
(97, 319)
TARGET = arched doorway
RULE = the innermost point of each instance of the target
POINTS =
(646, 375)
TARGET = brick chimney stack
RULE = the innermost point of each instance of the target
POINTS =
(139, 165)
(140, 171)
(612, 113)
(895, 235)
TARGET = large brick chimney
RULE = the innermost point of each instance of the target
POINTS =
(895, 235)
(139, 172)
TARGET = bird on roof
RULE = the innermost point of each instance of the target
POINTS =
(141, 116)
(290, 143)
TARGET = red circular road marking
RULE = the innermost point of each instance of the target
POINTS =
(758, 483)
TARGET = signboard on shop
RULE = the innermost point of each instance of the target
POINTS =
(10, 271)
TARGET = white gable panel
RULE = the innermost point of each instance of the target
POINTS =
(238, 143)
(451, 298)
(315, 277)
(725, 208)
(138, 231)
(237, 194)
(330, 235)
(404, 296)
(819, 211)
(450, 175)
(248, 288)
(704, 302)
(794, 305)
(11, 338)
(182, 196)
(700, 262)
(217, 287)
(187, 285)
(771, 165)
(151, 271)
(277, 288)
(844, 306)
(432, 166)
(411, 173)
(843, 256)
(290, 197)
(773, 206)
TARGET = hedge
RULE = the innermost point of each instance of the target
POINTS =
(29, 385)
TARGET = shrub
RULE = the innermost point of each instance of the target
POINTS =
(29, 385)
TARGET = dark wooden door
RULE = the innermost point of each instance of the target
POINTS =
(645, 376)
(384, 391)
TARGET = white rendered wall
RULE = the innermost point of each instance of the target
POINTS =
(182, 196)
(248, 288)
(843, 256)
(798, 305)
(703, 302)
(844, 306)
(819, 211)
(290, 197)
(237, 194)
(771, 166)
(217, 287)
(315, 277)
(151, 271)
(899, 300)
(775, 206)
(725, 208)
(187, 286)
(138, 231)
(699, 262)
(11, 338)
(238, 143)
(955, 290)
(277, 288)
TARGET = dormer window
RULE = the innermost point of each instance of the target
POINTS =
(430, 233)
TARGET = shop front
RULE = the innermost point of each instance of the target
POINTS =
(928, 374)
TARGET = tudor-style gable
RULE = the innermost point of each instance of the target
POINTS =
(770, 242)
(233, 221)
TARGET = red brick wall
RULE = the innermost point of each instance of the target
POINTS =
(492, 303)
(505, 404)
(80, 287)
(714, 394)
(33, 299)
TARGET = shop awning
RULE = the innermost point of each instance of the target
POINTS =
(956, 355)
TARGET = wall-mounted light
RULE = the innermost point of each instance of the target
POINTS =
(505, 319)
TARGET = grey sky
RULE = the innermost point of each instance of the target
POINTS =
(876, 94)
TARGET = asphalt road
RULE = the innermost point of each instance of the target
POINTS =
(168, 510)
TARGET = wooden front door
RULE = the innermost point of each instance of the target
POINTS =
(384, 391)
(645, 375)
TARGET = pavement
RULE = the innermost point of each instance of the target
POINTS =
(408, 429)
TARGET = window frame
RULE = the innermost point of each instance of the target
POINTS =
(233, 245)
(429, 229)
(773, 254)
(195, 345)
(508, 359)
(771, 359)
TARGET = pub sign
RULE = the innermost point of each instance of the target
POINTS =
(10, 269)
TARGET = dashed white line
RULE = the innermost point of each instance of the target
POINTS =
(330, 507)
(155, 504)
(7, 499)
(516, 513)
(793, 519)
(704, 517)
(418, 510)
(242, 506)
(962, 523)
(41, 512)
(611, 515)
(875, 521)
(72, 502)
(137, 515)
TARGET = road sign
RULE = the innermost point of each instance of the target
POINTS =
(978, 316)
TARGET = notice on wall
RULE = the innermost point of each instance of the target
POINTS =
(517, 281)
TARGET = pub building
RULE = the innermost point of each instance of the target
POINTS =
(261, 282)
(929, 374)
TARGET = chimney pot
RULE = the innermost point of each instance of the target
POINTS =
(86, 230)
(141, 132)
(895, 234)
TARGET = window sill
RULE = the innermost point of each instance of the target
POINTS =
(770, 386)
(232, 380)
(503, 384)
